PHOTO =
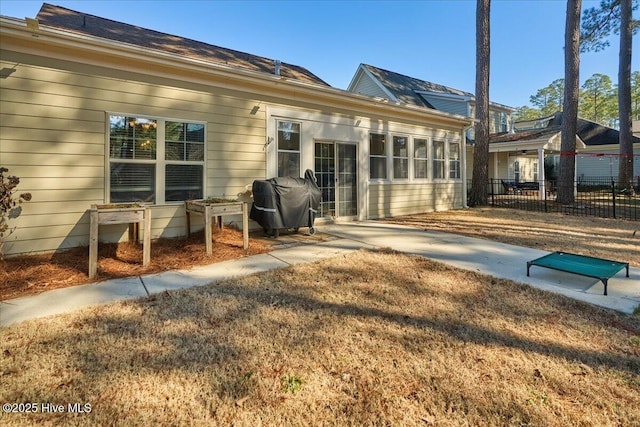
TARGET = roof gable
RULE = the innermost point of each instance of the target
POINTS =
(70, 20)
(413, 91)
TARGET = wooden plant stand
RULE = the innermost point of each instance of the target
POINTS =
(119, 213)
(212, 210)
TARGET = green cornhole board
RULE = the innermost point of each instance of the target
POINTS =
(598, 268)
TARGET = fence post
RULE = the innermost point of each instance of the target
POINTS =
(613, 196)
(493, 193)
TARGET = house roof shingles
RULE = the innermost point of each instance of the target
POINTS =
(406, 88)
(70, 20)
(590, 133)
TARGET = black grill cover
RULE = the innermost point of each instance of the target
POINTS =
(286, 202)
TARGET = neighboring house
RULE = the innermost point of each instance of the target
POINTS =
(521, 155)
(636, 128)
(398, 88)
(95, 111)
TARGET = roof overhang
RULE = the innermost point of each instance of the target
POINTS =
(63, 45)
(551, 143)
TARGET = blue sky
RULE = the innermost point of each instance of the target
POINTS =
(431, 39)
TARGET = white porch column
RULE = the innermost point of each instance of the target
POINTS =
(463, 165)
(541, 178)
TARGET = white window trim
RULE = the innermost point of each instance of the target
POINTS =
(449, 160)
(278, 150)
(387, 156)
(159, 161)
(444, 159)
(408, 157)
(413, 158)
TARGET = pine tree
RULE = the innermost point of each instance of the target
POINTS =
(480, 176)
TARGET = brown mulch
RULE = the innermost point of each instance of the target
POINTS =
(32, 274)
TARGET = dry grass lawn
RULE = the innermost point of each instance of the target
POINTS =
(370, 338)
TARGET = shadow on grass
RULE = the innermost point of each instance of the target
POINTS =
(220, 337)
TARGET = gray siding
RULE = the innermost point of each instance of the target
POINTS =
(448, 105)
(366, 86)
(591, 166)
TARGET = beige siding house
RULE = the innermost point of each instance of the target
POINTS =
(94, 111)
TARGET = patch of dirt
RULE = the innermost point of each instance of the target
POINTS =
(32, 274)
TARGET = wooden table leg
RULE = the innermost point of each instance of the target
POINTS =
(207, 231)
(146, 243)
(93, 244)
(245, 227)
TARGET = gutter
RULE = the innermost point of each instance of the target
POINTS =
(212, 73)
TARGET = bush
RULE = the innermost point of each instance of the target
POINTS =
(9, 204)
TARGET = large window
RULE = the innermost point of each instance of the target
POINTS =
(420, 161)
(377, 156)
(400, 157)
(454, 160)
(288, 148)
(155, 160)
(438, 160)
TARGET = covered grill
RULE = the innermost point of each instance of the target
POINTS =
(286, 202)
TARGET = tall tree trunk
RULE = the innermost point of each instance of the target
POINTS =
(625, 167)
(480, 177)
(566, 176)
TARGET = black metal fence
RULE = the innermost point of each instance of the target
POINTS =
(593, 197)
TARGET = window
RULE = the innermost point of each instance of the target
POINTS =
(438, 160)
(155, 161)
(420, 165)
(504, 122)
(400, 157)
(288, 148)
(454, 160)
(378, 156)
(184, 153)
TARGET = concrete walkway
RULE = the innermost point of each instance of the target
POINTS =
(496, 259)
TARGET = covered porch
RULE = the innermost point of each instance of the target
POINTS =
(524, 162)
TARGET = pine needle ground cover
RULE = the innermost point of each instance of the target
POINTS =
(370, 338)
